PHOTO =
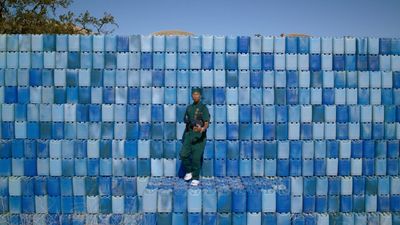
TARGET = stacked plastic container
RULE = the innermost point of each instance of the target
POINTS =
(303, 130)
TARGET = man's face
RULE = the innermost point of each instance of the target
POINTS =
(196, 96)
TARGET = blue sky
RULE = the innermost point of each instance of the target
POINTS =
(240, 17)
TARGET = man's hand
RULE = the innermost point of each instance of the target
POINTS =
(198, 128)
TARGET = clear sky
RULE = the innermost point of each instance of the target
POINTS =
(376, 18)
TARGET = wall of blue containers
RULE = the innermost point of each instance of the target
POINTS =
(304, 130)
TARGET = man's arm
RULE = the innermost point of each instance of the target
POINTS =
(199, 128)
(186, 116)
(206, 119)
(203, 128)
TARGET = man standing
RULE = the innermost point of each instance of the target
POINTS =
(194, 137)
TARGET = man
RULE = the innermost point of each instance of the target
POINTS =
(194, 137)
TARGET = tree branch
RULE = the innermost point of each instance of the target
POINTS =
(35, 16)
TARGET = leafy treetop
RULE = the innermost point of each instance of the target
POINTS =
(40, 16)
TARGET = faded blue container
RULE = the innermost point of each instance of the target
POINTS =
(309, 203)
(245, 167)
(209, 200)
(164, 200)
(321, 203)
(150, 200)
(209, 218)
(283, 219)
(298, 220)
(282, 202)
(254, 200)
(179, 218)
(224, 218)
(224, 203)
(220, 167)
(232, 167)
(194, 218)
(239, 219)
(310, 219)
(254, 218)
(360, 219)
(164, 218)
(268, 200)
(149, 219)
(346, 203)
(208, 167)
(269, 218)
(239, 201)
(194, 200)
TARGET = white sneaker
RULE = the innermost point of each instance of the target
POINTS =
(195, 182)
(188, 176)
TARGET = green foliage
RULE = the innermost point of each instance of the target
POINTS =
(40, 16)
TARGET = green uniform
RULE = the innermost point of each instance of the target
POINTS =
(194, 142)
